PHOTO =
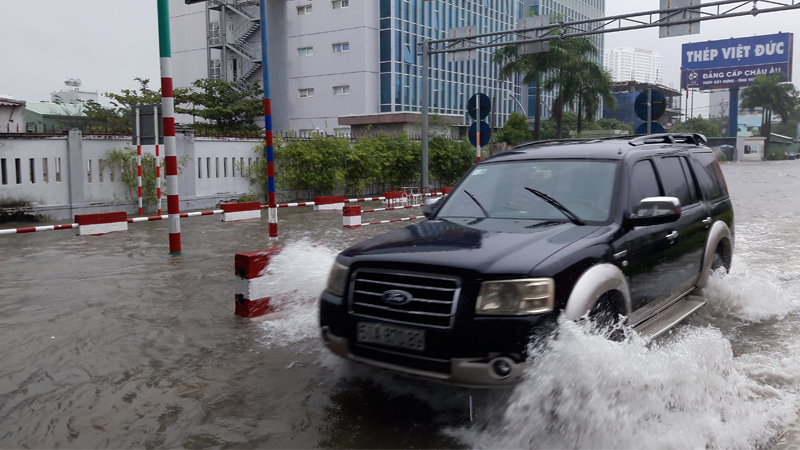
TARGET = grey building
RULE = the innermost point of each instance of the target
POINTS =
(334, 58)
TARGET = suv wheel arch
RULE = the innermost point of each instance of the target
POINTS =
(592, 285)
(720, 240)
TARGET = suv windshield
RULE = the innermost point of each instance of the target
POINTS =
(583, 187)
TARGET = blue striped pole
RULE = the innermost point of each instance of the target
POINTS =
(272, 210)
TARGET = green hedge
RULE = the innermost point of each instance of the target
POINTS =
(327, 165)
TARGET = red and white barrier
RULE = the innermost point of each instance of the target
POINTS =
(392, 220)
(68, 226)
(101, 223)
(252, 296)
(351, 216)
(333, 202)
(182, 215)
(390, 208)
(289, 205)
(240, 211)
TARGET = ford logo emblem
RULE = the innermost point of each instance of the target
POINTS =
(396, 297)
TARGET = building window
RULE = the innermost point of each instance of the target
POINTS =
(343, 132)
(100, 169)
(341, 47)
(216, 69)
(306, 92)
(58, 170)
(199, 167)
(304, 10)
(340, 4)
(45, 175)
(305, 51)
(305, 133)
(216, 161)
(225, 167)
(233, 167)
(32, 169)
(341, 90)
(208, 167)
(18, 170)
(4, 170)
(89, 170)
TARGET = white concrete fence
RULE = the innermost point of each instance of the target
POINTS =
(60, 176)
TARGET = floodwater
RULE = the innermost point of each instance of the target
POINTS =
(109, 341)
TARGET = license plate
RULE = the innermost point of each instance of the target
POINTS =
(378, 333)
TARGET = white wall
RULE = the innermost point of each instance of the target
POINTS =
(61, 197)
(212, 153)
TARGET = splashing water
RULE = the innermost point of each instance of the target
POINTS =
(725, 380)
(295, 278)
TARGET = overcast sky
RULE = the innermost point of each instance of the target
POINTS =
(107, 43)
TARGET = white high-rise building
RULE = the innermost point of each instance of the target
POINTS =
(334, 58)
(634, 64)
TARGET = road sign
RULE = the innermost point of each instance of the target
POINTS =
(466, 33)
(486, 133)
(680, 14)
(659, 105)
(472, 106)
(533, 47)
(655, 128)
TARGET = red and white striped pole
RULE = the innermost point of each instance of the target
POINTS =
(168, 110)
(139, 159)
(158, 159)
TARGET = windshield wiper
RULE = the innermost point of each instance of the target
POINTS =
(477, 203)
(570, 215)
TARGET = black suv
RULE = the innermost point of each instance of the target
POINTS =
(614, 229)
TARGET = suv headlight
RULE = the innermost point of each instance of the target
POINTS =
(516, 297)
(337, 279)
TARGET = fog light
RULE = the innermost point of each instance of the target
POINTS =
(501, 367)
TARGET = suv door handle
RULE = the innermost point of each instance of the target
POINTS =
(672, 236)
(707, 222)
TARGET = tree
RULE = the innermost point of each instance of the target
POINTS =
(120, 113)
(515, 130)
(698, 125)
(567, 68)
(450, 159)
(531, 66)
(614, 124)
(770, 93)
(229, 110)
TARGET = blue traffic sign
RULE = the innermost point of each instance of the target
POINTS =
(658, 108)
(655, 128)
(486, 133)
(472, 106)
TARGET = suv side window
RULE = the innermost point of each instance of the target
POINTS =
(690, 179)
(710, 177)
(675, 181)
(643, 182)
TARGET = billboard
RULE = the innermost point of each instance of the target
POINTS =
(735, 62)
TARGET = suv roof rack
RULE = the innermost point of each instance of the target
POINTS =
(669, 138)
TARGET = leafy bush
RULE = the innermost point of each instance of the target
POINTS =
(450, 160)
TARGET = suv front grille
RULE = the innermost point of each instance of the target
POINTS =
(433, 304)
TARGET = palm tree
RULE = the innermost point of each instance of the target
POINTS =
(773, 95)
(567, 68)
(594, 83)
(530, 66)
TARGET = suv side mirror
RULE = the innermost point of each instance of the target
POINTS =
(430, 207)
(655, 211)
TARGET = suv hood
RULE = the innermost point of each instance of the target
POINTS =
(494, 247)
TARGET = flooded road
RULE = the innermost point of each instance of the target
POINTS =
(110, 342)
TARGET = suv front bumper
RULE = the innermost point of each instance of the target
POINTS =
(468, 372)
